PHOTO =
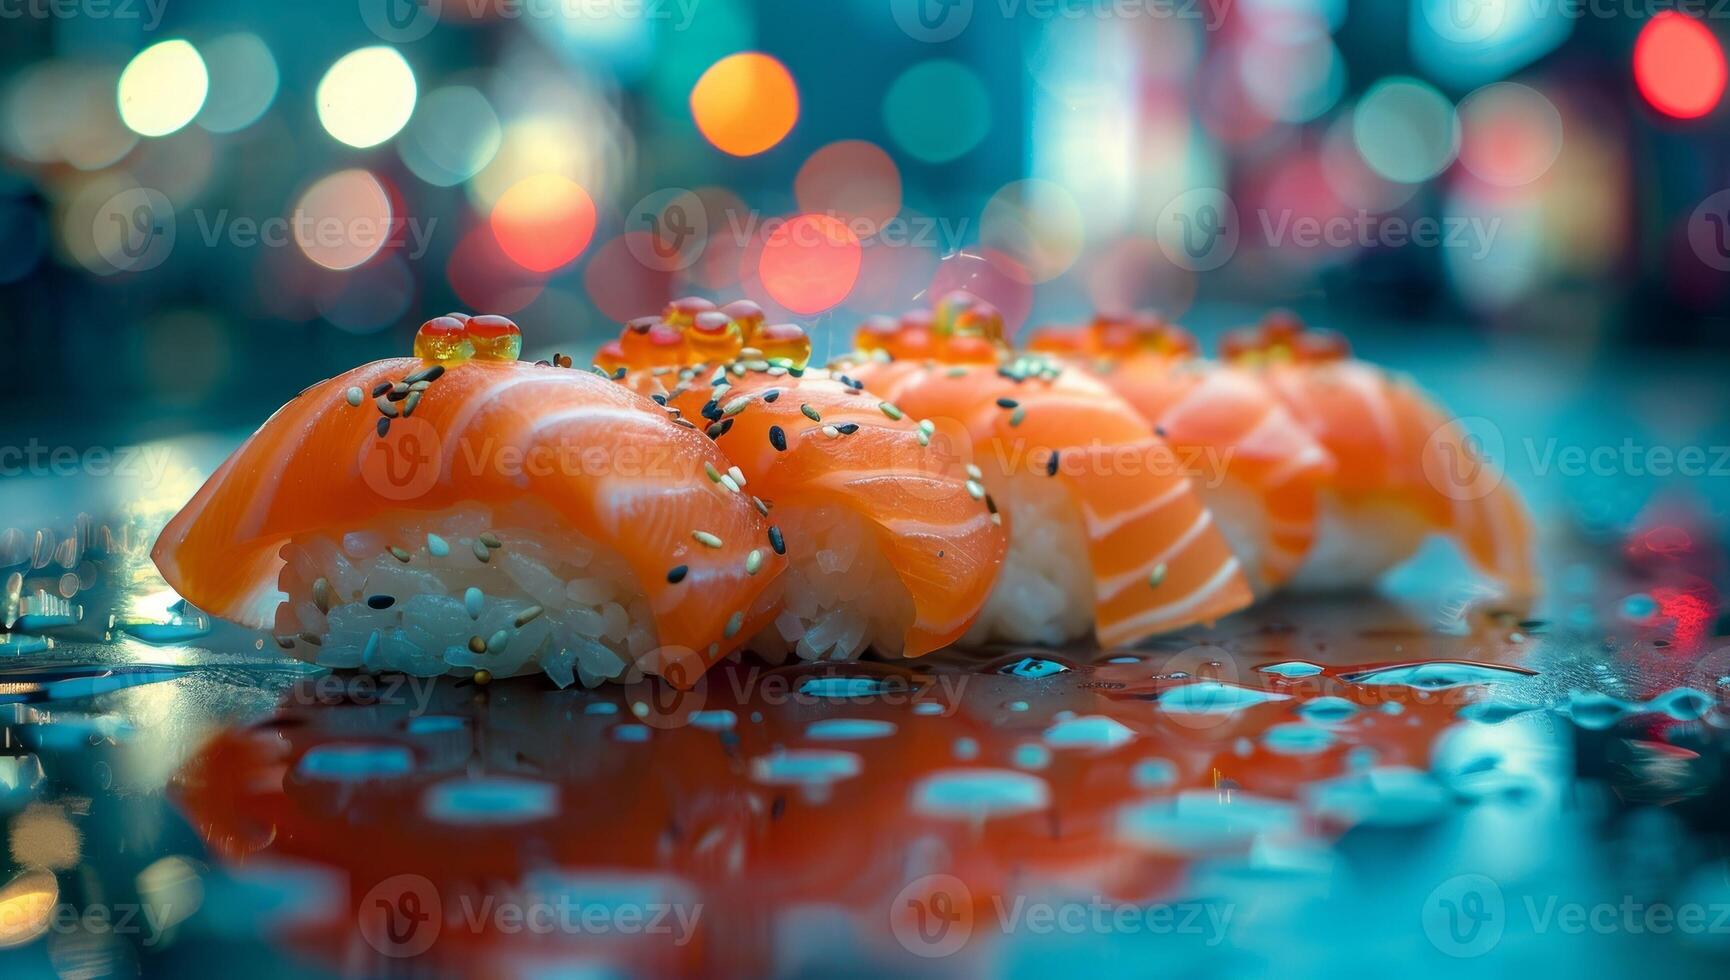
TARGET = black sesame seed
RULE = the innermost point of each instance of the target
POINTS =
(676, 574)
(381, 389)
(847, 428)
(718, 429)
(990, 504)
(659, 399)
(1007, 403)
(776, 541)
(381, 601)
(1159, 430)
(711, 409)
(777, 438)
(771, 394)
(426, 374)
(1051, 464)
(383, 427)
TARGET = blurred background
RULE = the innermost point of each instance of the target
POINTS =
(206, 205)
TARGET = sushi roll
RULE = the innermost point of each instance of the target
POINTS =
(1258, 470)
(461, 511)
(886, 547)
(1107, 535)
(1405, 469)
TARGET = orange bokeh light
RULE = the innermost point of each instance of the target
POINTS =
(745, 103)
(543, 222)
(810, 263)
(1679, 66)
(852, 179)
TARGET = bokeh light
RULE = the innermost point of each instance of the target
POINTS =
(810, 263)
(163, 88)
(937, 110)
(343, 219)
(1510, 134)
(1293, 77)
(243, 82)
(622, 287)
(745, 103)
(854, 180)
(1679, 66)
(1035, 222)
(485, 278)
(1406, 130)
(454, 133)
(367, 96)
(544, 222)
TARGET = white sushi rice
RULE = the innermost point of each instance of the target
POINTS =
(840, 596)
(594, 623)
(1356, 542)
(1044, 595)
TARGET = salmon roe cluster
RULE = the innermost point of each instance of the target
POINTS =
(694, 331)
(961, 329)
(1282, 338)
(460, 337)
(1116, 334)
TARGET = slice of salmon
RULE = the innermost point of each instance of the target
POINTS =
(1159, 563)
(1396, 449)
(815, 441)
(610, 464)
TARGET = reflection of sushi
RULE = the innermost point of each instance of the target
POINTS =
(886, 548)
(1259, 471)
(462, 511)
(1404, 468)
(1106, 532)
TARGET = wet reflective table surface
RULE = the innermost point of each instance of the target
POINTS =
(1418, 781)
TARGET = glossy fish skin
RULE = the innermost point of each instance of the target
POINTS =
(500, 430)
(1242, 439)
(941, 542)
(1395, 448)
(1136, 501)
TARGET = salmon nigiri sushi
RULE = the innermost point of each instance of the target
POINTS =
(886, 547)
(461, 511)
(1405, 469)
(1106, 531)
(1258, 470)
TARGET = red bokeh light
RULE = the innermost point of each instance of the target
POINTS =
(1679, 66)
(810, 263)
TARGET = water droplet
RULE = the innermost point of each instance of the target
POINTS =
(1327, 710)
(844, 687)
(355, 761)
(1683, 703)
(1291, 668)
(849, 729)
(1204, 820)
(1298, 738)
(1212, 697)
(1031, 755)
(978, 794)
(714, 719)
(1594, 711)
(805, 767)
(1387, 796)
(1088, 732)
(1154, 774)
(491, 800)
(1033, 667)
(1436, 675)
